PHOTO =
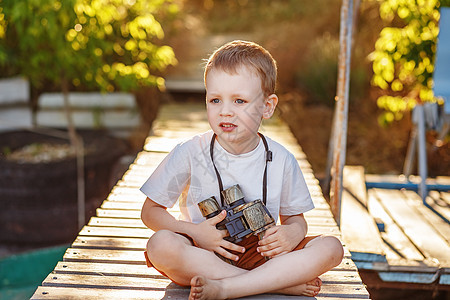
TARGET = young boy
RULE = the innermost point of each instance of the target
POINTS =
(240, 84)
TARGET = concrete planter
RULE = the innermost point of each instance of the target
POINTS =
(39, 201)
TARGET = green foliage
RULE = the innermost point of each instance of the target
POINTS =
(317, 76)
(245, 15)
(403, 60)
(106, 44)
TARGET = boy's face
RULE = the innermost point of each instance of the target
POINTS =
(235, 106)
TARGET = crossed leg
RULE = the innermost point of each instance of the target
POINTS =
(211, 278)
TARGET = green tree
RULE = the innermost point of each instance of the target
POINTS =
(403, 59)
(102, 44)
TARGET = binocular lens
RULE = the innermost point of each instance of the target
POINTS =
(209, 207)
(232, 194)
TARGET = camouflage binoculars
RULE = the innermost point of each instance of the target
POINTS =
(243, 219)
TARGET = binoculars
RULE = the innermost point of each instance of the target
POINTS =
(243, 219)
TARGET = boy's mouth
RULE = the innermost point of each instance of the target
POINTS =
(227, 126)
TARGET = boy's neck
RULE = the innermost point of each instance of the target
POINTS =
(240, 148)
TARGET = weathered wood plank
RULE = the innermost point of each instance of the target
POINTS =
(121, 270)
(355, 183)
(423, 236)
(110, 243)
(131, 205)
(105, 256)
(126, 197)
(359, 231)
(107, 269)
(400, 245)
(48, 292)
(112, 282)
(114, 222)
(146, 233)
(136, 214)
(415, 201)
(438, 204)
(71, 293)
(116, 232)
(151, 284)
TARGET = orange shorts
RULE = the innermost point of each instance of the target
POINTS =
(248, 260)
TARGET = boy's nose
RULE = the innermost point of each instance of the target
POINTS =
(227, 109)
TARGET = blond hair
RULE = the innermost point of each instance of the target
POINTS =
(233, 55)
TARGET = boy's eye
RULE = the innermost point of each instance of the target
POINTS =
(240, 101)
(215, 100)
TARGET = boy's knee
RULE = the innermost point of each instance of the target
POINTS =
(160, 243)
(334, 249)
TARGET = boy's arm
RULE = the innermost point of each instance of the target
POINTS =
(285, 237)
(205, 234)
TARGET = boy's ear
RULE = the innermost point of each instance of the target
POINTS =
(269, 106)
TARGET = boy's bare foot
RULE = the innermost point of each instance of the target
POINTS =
(310, 288)
(202, 288)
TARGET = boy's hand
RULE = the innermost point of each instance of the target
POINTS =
(210, 238)
(279, 240)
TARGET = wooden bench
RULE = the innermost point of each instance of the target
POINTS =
(106, 260)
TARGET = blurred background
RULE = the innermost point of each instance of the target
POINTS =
(100, 69)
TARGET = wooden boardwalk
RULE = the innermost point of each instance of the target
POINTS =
(106, 260)
(405, 245)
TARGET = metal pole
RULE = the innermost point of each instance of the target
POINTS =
(340, 132)
(326, 181)
(422, 151)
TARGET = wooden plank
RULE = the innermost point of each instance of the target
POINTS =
(114, 222)
(137, 223)
(121, 270)
(107, 269)
(149, 158)
(359, 231)
(127, 197)
(136, 214)
(112, 282)
(146, 233)
(130, 205)
(138, 283)
(71, 293)
(415, 201)
(396, 243)
(131, 183)
(47, 292)
(111, 243)
(354, 182)
(116, 232)
(105, 256)
(417, 230)
(438, 204)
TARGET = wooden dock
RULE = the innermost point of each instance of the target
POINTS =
(106, 260)
(406, 245)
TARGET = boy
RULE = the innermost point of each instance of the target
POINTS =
(240, 84)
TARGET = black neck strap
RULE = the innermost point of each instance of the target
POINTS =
(219, 179)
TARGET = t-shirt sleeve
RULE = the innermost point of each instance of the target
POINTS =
(295, 197)
(169, 179)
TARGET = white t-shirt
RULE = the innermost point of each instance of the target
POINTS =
(187, 175)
